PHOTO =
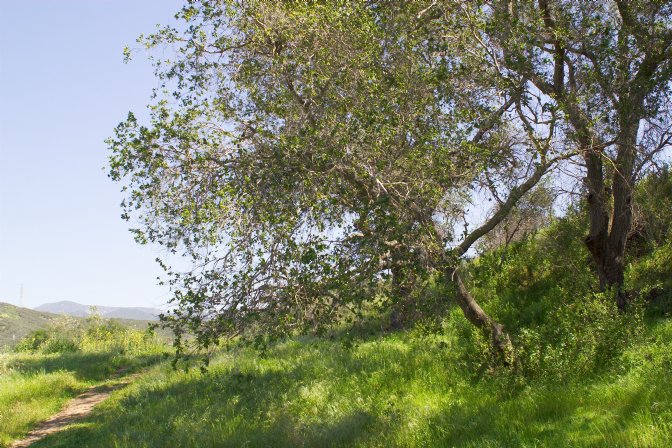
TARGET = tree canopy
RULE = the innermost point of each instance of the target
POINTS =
(314, 160)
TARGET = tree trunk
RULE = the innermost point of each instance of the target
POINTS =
(607, 235)
(398, 317)
(472, 311)
(475, 314)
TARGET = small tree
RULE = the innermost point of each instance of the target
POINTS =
(606, 67)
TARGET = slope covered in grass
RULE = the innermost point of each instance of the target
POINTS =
(586, 374)
(55, 365)
(35, 386)
(404, 389)
(16, 322)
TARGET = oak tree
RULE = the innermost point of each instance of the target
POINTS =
(607, 68)
(306, 157)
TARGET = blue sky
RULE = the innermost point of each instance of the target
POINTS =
(63, 88)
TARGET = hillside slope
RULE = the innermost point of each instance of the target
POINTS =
(16, 322)
(404, 389)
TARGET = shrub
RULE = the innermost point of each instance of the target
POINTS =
(544, 290)
(32, 341)
(111, 336)
(91, 335)
(651, 279)
(59, 344)
(652, 222)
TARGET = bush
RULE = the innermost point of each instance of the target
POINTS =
(651, 279)
(58, 344)
(32, 341)
(47, 341)
(112, 336)
(90, 335)
(652, 224)
(544, 290)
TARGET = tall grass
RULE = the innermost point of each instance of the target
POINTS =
(405, 389)
(51, 366)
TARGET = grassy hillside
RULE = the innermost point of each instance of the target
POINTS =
(17, 322)
(402, 390)
(586, 374)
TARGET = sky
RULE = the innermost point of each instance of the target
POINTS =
(63, 88)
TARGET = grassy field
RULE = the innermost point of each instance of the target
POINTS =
(404, 389)
(586, 374)
(36, 382)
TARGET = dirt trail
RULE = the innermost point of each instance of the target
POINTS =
(76, 409)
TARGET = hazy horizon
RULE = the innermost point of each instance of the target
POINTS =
(56, 302)
(64, 87)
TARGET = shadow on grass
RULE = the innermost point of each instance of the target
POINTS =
(307, 394)
(556, 417)
(85, 366)
(223, 409)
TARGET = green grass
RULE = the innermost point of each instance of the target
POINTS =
(402, 389)
(28, 399)
(35, 385)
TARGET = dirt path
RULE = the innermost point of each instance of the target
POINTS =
(76, 409)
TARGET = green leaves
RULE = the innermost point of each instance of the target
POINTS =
(301, 150)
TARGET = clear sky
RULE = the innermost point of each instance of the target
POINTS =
(63, 88)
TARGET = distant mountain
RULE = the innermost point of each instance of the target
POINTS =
(79, 310)
(132, 313)
(64, 307)
(16, 322)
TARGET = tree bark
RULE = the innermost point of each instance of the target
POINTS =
(474, 313)
(607, 237)
(609, 223)
(398, 317)
(470, 308)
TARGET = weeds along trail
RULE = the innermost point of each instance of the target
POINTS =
(75, 410)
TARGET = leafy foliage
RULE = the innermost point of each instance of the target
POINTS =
(92, 334)
(310, 152)
(33, 341)
(544, 290)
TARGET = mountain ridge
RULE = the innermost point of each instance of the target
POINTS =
(75, 309)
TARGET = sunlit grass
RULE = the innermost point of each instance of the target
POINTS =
(34, 385)
(396, 390)
(28, 399)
